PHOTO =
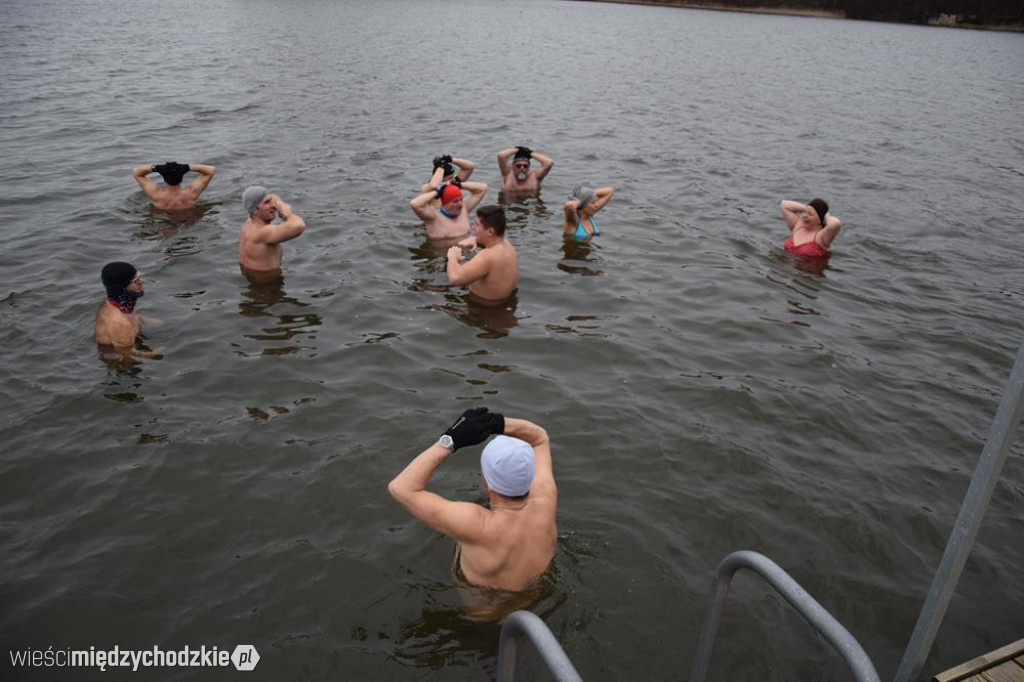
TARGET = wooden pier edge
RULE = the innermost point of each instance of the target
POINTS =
(1012, 655)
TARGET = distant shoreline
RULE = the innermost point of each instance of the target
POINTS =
(939, 20)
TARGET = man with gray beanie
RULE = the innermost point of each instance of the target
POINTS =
(512, 543)
(259, 240)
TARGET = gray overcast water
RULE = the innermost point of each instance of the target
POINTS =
(704, 391)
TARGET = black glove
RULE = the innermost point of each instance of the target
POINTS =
(457, 183)
(438, 162)
(448, 169)
(446, 159)
(524, 151)
(474, 426)
(440, 188)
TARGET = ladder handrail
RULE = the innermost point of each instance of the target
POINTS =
(806, 605)
(520, 624)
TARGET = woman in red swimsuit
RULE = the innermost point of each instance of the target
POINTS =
(812, 228)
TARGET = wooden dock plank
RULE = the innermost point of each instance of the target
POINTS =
(1013, 652)
(1008, 671)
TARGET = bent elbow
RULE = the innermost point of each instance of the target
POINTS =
(395, 490)
(543, 434)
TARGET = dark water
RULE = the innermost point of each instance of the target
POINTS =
(704, 391)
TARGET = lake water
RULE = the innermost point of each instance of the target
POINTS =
(704, 391)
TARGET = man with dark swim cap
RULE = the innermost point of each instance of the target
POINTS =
(450, 219)
(117, 323)
(511, 543)
(173, 196)
(260, 239)
(518, 177)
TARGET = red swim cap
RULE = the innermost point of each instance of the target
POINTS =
(450, 193)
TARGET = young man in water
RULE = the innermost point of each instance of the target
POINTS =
(117, 323)
(493, 274)
(450, 220)
(260, 238)
(519, 177)
(511, 543)
(173, 196)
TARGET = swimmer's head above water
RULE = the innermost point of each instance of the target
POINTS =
(451, 200)
(820, 207)
(172, 172)
(123, 284)
(521, 163)
(584, 195)
(508, 466)
(251, 198)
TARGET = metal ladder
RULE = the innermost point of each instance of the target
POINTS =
(522, 624)
(986, 475)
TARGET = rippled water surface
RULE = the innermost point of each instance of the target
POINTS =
(704, 391)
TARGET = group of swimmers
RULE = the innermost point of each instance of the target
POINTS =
(508, 546)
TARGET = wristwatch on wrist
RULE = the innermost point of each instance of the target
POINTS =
(447, 442)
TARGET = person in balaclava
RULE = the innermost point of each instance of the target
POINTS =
(117, 323)
(172, 196)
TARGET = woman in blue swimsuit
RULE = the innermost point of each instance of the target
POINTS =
(580, 210)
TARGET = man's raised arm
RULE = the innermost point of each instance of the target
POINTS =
(291, 227)
(205, 175)
(421, 204)
(460, 520)
(503, 157)
(147, 185)
(476, 190)
(545, 164)
(537, 437)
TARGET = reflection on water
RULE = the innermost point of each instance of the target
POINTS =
(445, 631)
(264, 301)
(578, 257)
(125, 364)
(802, 276)
(519, 208)
(161, 225)
(494, 321)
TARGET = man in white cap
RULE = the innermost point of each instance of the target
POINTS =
(510, 544)
(259, 240)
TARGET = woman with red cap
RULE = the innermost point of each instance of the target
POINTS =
(812, 228)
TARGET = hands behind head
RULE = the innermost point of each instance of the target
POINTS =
(475, 425)
(457, 182)
(171, 167)
(442, 161)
